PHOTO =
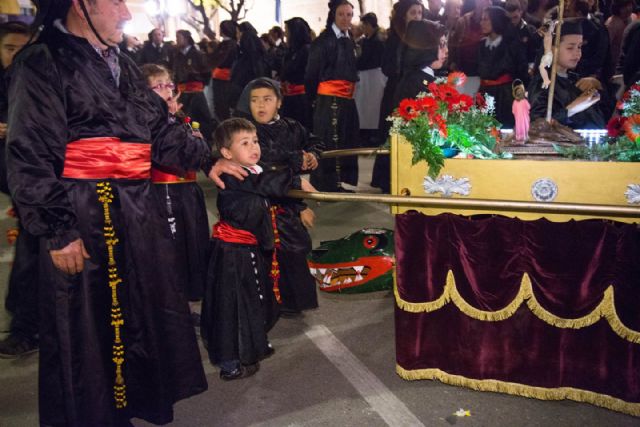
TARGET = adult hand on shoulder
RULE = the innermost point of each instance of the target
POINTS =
(70, 259)
(228, 167)
(584, 101)
(307, 217)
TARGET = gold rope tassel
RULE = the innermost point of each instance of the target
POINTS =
(542, 393)
(605, 309)
(105, 196)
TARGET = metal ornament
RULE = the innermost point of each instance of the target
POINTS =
(633, 194)
(447, 185)
(544, 190)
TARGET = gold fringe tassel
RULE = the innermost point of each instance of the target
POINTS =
(605, 309)
(542, 393)
(105, 196)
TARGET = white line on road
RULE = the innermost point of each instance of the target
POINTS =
(392, 410)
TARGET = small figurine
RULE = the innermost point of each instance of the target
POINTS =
(547, 58)
(520, 110)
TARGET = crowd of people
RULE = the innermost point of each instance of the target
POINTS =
(103, 139)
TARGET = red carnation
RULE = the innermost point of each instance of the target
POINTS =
(614, 127)
(480, 101)
(466, 102)
(409, 109)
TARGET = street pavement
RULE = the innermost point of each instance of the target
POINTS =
(333, 367)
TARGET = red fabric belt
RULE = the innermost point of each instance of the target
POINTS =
(191, 87)
(503, 79)
(107, 157)
(161, 177)
(290, 89)
(227, 233)
(340, 88)
(221, 74)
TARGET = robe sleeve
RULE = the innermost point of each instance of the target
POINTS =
(313, 70)
(35, 149)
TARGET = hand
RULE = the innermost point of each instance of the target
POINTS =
(589, 83)
(3, 130)
(307, 217)
(70, 259)
(309, 161)
(173, 104)
(197, 134)
(306, 186)
(228, 167)
(583, 102)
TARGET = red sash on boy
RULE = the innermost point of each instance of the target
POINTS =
(107, 158)
(158, 176)
(291, 89)
(222, 230)
(503, 79)
(221, 74)
(339, 88)
(190, 87)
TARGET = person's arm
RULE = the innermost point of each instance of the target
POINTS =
(314, 68)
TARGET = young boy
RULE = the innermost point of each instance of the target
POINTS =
(183, 199)
(285, 142)
(571, 107)
(239, 295)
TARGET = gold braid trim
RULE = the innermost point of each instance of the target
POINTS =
(105, 196)
(542, 393)
(605, 309)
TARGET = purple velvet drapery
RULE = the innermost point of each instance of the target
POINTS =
(570, 265)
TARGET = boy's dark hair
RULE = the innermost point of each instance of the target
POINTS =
(264, 83)
(14, 27)
(223, 135)
(370, 18)
(152, 70)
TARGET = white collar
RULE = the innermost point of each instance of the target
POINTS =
(492, 44)
(254, 170)
(186, 50)
(338, 32)
(429, 70)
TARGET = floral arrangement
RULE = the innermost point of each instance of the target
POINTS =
(443, 121)
(623, 142)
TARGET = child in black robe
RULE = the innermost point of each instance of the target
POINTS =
(571, 106)
(238, 294)
(285, 142)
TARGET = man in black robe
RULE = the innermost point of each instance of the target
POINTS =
(116, 340)
(155, 50)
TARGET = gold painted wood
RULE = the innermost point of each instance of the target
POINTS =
(580, 182)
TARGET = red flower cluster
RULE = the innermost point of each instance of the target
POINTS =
(614, 127)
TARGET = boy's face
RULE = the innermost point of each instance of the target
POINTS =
(244, 149)
(570, 51)
(10, 45)
(162, 85)
(264, 105)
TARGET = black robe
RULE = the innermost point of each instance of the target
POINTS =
(335, 119)
(224, 56)
(239, 305)
(565, 92)
(282, 143)
(149, 54)
(249, 65)
(411, 84)
(62, 90)
(298, 107)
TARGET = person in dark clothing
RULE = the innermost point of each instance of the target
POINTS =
(191, 73)
(501, 58)
(571, 106)
(295, 103)
(527, 34)
(22, 295)
(629, 63)
(284, 142)
(403, 12)
(330, 77)
(155, 50)
(371, 80)
(223, 58)
(116, 339)
(250, 63)
(276, 52)
(596, 58)
(426, 52)
(239, 296)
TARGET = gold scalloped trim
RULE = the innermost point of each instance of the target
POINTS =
(542, 393)
(606, 309)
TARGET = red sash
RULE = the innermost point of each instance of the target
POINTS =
(221, 74)
(290, 89)
(503, 79)
(191, 87)
(107, 157)
(227, 233)
(339, 88)
(161, 177)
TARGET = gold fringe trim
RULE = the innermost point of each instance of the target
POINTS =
(105, 196)
(541, 393)
(606, 309)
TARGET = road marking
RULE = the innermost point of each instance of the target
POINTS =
(6, 255)
(377, 395)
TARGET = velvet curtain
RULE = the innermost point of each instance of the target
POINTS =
(535, 308)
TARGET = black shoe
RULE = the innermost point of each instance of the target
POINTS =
(270, 352)
(341, 189)
(16, 346)
(243, 371)
(290, 314)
